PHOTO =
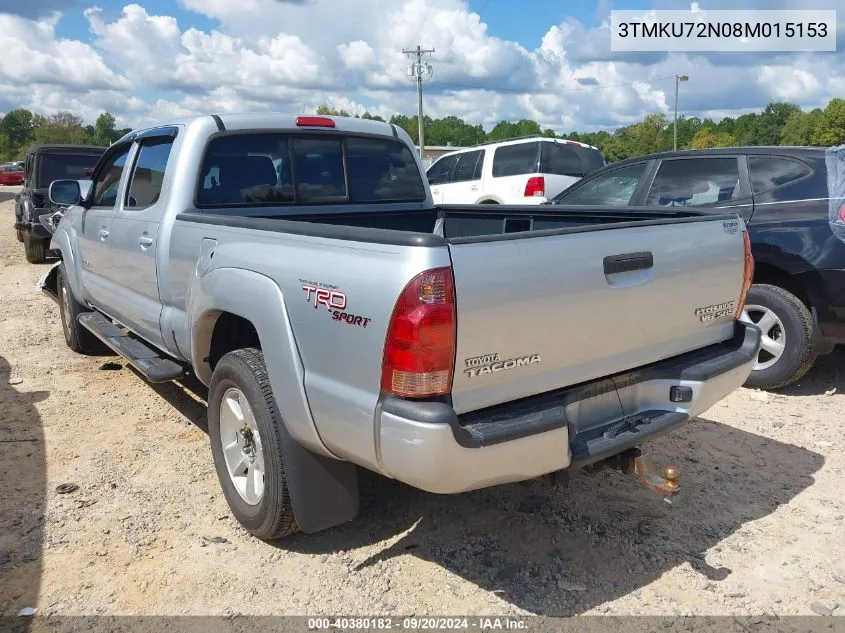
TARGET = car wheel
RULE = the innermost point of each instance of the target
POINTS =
(77, 337)
(34, 248)
(243, 425)
(786, 351)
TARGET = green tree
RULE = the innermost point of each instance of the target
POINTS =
(801, 127)
(327, 110)
(745, 129)
(770, 123)
(62, 127)
(708, 137)
(648, 136)
(831, 130)
(104, 132)
(17, 126)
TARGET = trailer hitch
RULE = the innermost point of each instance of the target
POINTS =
(633, 462)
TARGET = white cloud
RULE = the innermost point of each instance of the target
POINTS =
(291, 55)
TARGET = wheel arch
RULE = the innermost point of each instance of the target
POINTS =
(232, 306)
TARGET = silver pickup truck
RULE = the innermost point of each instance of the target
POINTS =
(299, 269)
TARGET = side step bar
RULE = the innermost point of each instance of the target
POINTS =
(148, 361)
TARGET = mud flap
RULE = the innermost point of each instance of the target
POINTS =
(323, 491)
(49, 283)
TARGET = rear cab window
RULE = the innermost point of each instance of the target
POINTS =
(261, 169)
(516, 160)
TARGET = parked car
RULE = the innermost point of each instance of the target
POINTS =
(518, 171)
(11, 174)
(798, 296)
(341, 319)
(44, 164)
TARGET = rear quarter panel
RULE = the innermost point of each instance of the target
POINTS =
(341, 357)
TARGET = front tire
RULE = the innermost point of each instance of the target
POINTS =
(77, 337)
(787, 350)
(34, 248)
(243, 425)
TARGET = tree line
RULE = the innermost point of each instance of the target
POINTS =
(778, 124)
(20, 128)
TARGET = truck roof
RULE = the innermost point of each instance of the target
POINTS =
(274, 121)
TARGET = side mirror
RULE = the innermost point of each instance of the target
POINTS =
(65, 192)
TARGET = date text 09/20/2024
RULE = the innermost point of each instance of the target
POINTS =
(418, 623)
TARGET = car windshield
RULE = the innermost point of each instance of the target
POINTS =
(65, 166)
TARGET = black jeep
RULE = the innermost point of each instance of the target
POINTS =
(43, 165)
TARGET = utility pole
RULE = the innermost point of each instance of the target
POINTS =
(418, 71)
(678, 80)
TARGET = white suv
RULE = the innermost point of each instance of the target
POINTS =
(518, 171)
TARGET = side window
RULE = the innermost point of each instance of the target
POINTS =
(769, 172)
(612, 189)
(561, 160)
(467, 166)
(108, 180)
(148, 175)
(515, 160)
(438, 173)
(695, 181)
(479, 166)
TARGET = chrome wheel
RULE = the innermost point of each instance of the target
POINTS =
(773, 342)
(241, 445)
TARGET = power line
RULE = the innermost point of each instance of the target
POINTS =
(457, 86)
(417, 71)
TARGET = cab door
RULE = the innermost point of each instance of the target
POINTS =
(438, 176)
(133, 240)
(94, 244)
(464, 185)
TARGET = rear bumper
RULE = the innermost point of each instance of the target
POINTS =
(427, 445)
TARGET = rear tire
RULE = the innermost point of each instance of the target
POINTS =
(787, 352)
(77, 337)
(248, 444)
(34, 248)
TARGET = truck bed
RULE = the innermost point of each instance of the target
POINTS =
(455, 222)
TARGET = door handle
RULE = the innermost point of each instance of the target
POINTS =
(145, 242)
(627, 262)
(435, 191)
(103, 234)
(474, 188)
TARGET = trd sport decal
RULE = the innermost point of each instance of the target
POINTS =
(492, 364)
(334, 301)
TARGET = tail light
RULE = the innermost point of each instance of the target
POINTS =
(842, 213)
(536, 186)
(747, 276)
(419, 353)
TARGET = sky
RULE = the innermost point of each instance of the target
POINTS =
(548, 60)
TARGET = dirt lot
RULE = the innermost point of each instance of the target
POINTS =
(758, 527)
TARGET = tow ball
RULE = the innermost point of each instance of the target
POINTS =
(633, 462)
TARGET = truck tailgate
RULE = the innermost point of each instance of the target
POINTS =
(541, 311)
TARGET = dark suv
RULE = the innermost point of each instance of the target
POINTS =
(43, 165)
(798, 296)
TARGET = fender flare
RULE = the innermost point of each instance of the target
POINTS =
(61, 242)
(323, 489)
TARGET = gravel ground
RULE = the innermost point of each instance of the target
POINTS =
(757, 528)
